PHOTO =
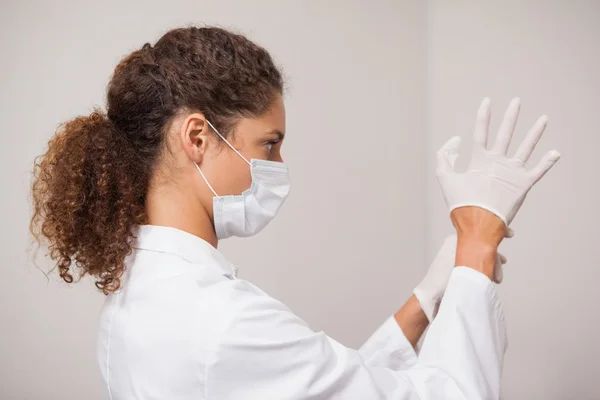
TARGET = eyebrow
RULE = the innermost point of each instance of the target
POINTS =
(277, 133)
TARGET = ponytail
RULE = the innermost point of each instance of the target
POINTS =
(89, 187)
(87, 198)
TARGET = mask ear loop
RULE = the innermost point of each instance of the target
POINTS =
(228, 144)
(206, 180)
(232, 148)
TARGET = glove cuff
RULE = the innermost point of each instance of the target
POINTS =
(429, 305)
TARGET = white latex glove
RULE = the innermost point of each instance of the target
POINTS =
(493, 180)
(431, 289)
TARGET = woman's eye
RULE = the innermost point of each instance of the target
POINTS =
(270, 145)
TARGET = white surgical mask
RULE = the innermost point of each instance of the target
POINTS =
(248, 213)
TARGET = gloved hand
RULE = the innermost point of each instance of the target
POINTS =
(493, 181)
(431, 289)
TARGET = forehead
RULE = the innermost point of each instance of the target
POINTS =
(272, 120)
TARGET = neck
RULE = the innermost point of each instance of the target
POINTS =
(168, 205)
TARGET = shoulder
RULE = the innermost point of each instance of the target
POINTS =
(211, 300)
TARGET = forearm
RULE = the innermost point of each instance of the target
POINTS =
(477, 255)
(412, 320)
(479, 234)
(471, 252)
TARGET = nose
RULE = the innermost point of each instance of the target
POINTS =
(277, 157)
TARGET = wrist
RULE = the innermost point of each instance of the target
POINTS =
(479, 226)
(412, 320)
(476, 254)
(475, 243)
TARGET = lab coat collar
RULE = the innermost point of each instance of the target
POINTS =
(191, 248)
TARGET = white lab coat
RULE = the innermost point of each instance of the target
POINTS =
(184, 327)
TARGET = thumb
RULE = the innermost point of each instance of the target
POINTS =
(447, 154)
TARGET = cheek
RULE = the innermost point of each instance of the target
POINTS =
(259, 152)
(230, 175)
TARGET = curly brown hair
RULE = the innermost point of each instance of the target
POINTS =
(89, 188)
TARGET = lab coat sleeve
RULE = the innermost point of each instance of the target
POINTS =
(389, 347)
(267, 352)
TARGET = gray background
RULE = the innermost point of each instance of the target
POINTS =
(374, 89)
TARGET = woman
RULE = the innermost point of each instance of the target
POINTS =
(189, 153)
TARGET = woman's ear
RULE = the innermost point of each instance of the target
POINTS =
(194, 134)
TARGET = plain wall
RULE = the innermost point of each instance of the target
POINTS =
(548, 53)
(348, 246)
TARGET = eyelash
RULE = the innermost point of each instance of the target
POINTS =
(271, 143)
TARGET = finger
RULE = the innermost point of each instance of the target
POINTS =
(499, 274)
(447, 154)
(533, 136)
(507, 127)
(482, 123)
(499, 268)
(547, 162)
(498, 271)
